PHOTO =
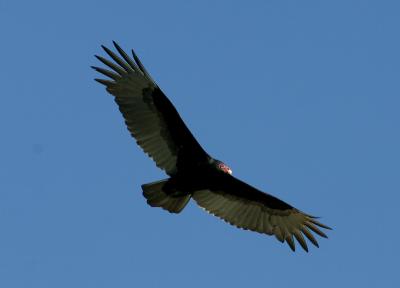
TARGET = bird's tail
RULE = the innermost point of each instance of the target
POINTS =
(156, 196)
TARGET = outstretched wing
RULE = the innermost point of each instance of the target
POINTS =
(246, 207)
(150, 117)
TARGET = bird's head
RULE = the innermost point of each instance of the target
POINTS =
(223, 167)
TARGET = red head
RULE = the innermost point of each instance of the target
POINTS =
(224, 168)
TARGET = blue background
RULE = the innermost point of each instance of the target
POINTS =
(300, 98)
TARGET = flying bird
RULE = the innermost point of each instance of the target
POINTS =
(159, 130)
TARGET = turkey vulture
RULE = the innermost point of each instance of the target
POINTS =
(159, 130)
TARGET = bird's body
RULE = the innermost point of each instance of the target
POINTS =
(159, 130)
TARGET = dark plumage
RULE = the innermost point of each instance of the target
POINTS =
(159, 130)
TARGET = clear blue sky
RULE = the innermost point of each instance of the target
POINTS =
(300, 98)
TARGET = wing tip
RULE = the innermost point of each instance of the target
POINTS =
(104, 47)
(107, 83)
(291, 244)
(102, 59)
(115, 44)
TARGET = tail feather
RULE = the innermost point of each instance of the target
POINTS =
(157, 197)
